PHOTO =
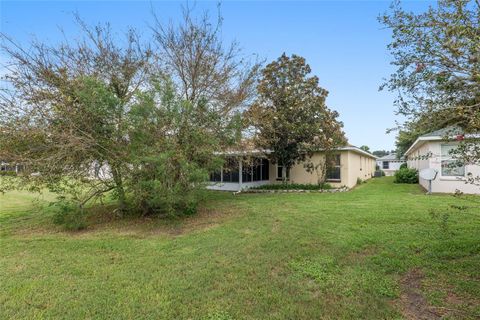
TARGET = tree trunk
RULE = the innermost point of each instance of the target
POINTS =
(284, 174)
(117, 179)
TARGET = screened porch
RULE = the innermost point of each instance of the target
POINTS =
(240, 173)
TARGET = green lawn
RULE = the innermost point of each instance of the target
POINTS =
(372, 253)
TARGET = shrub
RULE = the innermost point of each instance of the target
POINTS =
(69, 215)
(8, 173)
(406, 175)
(294, 186)
(403, 166)
(360, 181)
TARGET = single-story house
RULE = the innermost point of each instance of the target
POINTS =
(390, 163)
(348, 164)
(432, 151)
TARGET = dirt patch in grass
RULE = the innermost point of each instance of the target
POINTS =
(413, 303)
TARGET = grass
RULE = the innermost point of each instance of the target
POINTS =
(250, 256)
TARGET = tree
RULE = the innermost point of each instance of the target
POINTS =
(437, 59)
(365, 148)
(65, 110)
(380, 153)
(290, 116)
(420, 125)
(94, 116)
(438, 62)
(174, 147)
(202, 67)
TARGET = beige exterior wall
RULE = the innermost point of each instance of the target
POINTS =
(441, 184)
(352, 166)
(359, 166)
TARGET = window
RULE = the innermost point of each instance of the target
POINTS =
(333, 168)
(280, 172)
(385, 165)
(255, 170)
(451, 167)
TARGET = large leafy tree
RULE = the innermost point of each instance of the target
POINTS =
(64, 111)
(290, 116)
(105, 115)
(437, 59)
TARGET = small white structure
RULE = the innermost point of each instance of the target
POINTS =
(428, 174)
(432, 151)
(390, 163)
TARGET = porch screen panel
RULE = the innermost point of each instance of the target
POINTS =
(265, 169)
(216, 176)
(247, 173)
(230, 171)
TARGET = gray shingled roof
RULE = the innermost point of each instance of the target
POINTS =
(448, 131)
(389, 157)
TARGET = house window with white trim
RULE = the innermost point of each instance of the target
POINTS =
(385, 165)
(280, 172)
(451, 167)
(333, 168)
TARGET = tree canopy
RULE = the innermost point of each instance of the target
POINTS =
(108, 115)
(437, 60)
(290, 116)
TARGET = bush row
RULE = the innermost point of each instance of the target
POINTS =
(293, 186)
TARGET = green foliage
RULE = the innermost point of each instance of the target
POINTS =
(69, 215)
(360, 181)
(290, 115)
(102, 113)
(8, 173)
(403, 166)
(171, 168)
(381, 153)
(294, 186)
(437, 66)
(406, 175)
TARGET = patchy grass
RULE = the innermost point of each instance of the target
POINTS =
(362, 254)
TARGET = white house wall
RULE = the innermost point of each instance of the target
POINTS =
(393, 166)
(441, 184)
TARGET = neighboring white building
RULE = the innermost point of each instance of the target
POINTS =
(390, 163)
(432, 151)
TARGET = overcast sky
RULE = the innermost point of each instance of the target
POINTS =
(341, 40)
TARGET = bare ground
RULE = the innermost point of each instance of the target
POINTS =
(413, 304)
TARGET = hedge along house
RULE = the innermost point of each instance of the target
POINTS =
(248, 169)
(432, 151)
